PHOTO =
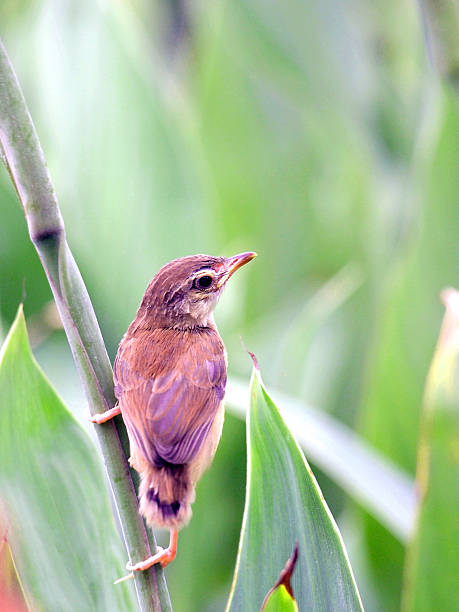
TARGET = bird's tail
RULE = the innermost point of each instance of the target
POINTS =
(166, 494)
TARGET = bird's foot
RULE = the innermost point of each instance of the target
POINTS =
(103, 417)
(163, 556)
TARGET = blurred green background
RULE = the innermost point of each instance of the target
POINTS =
(314, 133)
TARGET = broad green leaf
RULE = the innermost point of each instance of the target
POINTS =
(383, 489)
(432, 567)
(60, 528)
(284, 504)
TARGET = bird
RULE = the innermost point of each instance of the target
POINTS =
(169, 380)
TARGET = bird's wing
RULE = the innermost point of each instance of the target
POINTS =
(170, 397)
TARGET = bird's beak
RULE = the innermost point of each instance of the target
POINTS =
(234, 263)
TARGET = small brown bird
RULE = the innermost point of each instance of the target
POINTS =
(170, 377)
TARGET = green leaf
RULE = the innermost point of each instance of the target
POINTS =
(383, 489)
(61, 533)
(284, 504)
(406, 324)
(432, 565)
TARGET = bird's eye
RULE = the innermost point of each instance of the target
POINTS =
(204, 281)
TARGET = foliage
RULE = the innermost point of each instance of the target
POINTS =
(428, 584)
(284, 505)
(60, 527)
(314, 133)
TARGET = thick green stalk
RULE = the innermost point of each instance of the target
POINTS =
(23, 157)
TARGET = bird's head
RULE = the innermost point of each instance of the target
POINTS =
(184, 293)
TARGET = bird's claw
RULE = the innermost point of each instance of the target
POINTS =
(96, 419)
(103, 417)
(163, 556)
(143, 565)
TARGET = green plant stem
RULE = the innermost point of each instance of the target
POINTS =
(23, 157)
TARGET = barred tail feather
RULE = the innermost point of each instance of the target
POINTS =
(166, 494)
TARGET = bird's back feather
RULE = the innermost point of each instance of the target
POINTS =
(170, 384)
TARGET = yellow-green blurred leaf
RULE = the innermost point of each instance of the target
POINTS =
(280, 600)
(432, 567)
(60, 528)
(441, 22)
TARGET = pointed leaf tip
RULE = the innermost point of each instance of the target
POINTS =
(272, 598)
(255, 361)
(287, 572)
(450, 299)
